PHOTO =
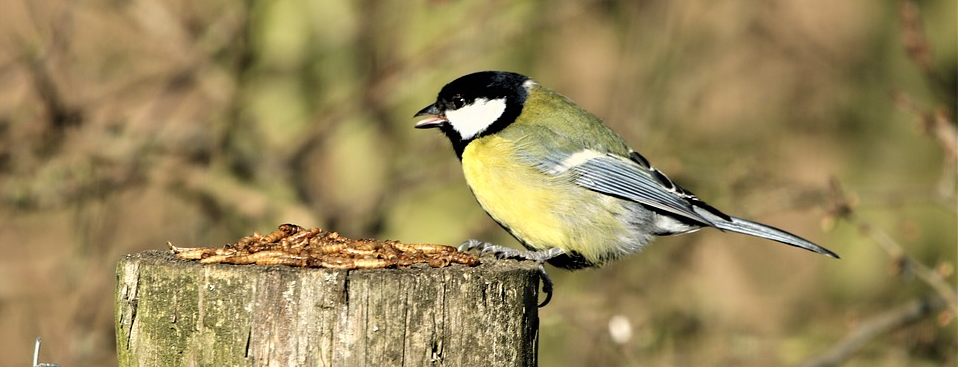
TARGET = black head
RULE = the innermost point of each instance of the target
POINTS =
(476, 104)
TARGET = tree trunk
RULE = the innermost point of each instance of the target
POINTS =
(172, 312)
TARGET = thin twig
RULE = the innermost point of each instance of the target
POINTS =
(937, 124)
(916, 45)
(903, 315)
(843, 207)
(36, 352)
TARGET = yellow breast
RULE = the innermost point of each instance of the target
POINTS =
(513, 193)
(540, 210)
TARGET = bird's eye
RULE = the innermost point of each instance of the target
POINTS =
(458, 102)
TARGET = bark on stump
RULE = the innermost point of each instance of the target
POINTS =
(172, 312)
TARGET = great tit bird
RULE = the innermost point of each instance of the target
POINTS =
(561, 181)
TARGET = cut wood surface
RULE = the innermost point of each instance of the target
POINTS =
(172, 312)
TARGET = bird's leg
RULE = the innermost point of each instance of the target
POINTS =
(502, 252)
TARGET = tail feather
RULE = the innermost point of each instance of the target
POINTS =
(743, 226)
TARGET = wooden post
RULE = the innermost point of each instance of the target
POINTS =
(172, 312)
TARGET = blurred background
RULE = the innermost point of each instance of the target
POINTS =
(127, 124)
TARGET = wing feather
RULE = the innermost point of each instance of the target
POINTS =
(621, 177)
(636, 180)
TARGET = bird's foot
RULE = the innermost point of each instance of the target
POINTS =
(502, 252)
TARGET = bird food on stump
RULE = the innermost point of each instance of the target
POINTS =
(319, 299)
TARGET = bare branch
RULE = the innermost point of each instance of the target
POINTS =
(938, 124)
(916, 45)
(903, 315)
(843, 207)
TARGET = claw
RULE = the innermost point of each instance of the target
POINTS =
(472, 243)
(502, 252)
(546, 285)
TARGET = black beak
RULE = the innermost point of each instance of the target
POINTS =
(430, 110)
(436, 121)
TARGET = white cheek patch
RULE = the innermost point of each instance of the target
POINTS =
(574, 160)
(473, 119)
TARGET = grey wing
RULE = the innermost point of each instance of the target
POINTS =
(634, 180)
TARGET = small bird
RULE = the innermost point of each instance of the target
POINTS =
(561, 181)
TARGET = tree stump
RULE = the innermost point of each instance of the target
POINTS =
(172, 312)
